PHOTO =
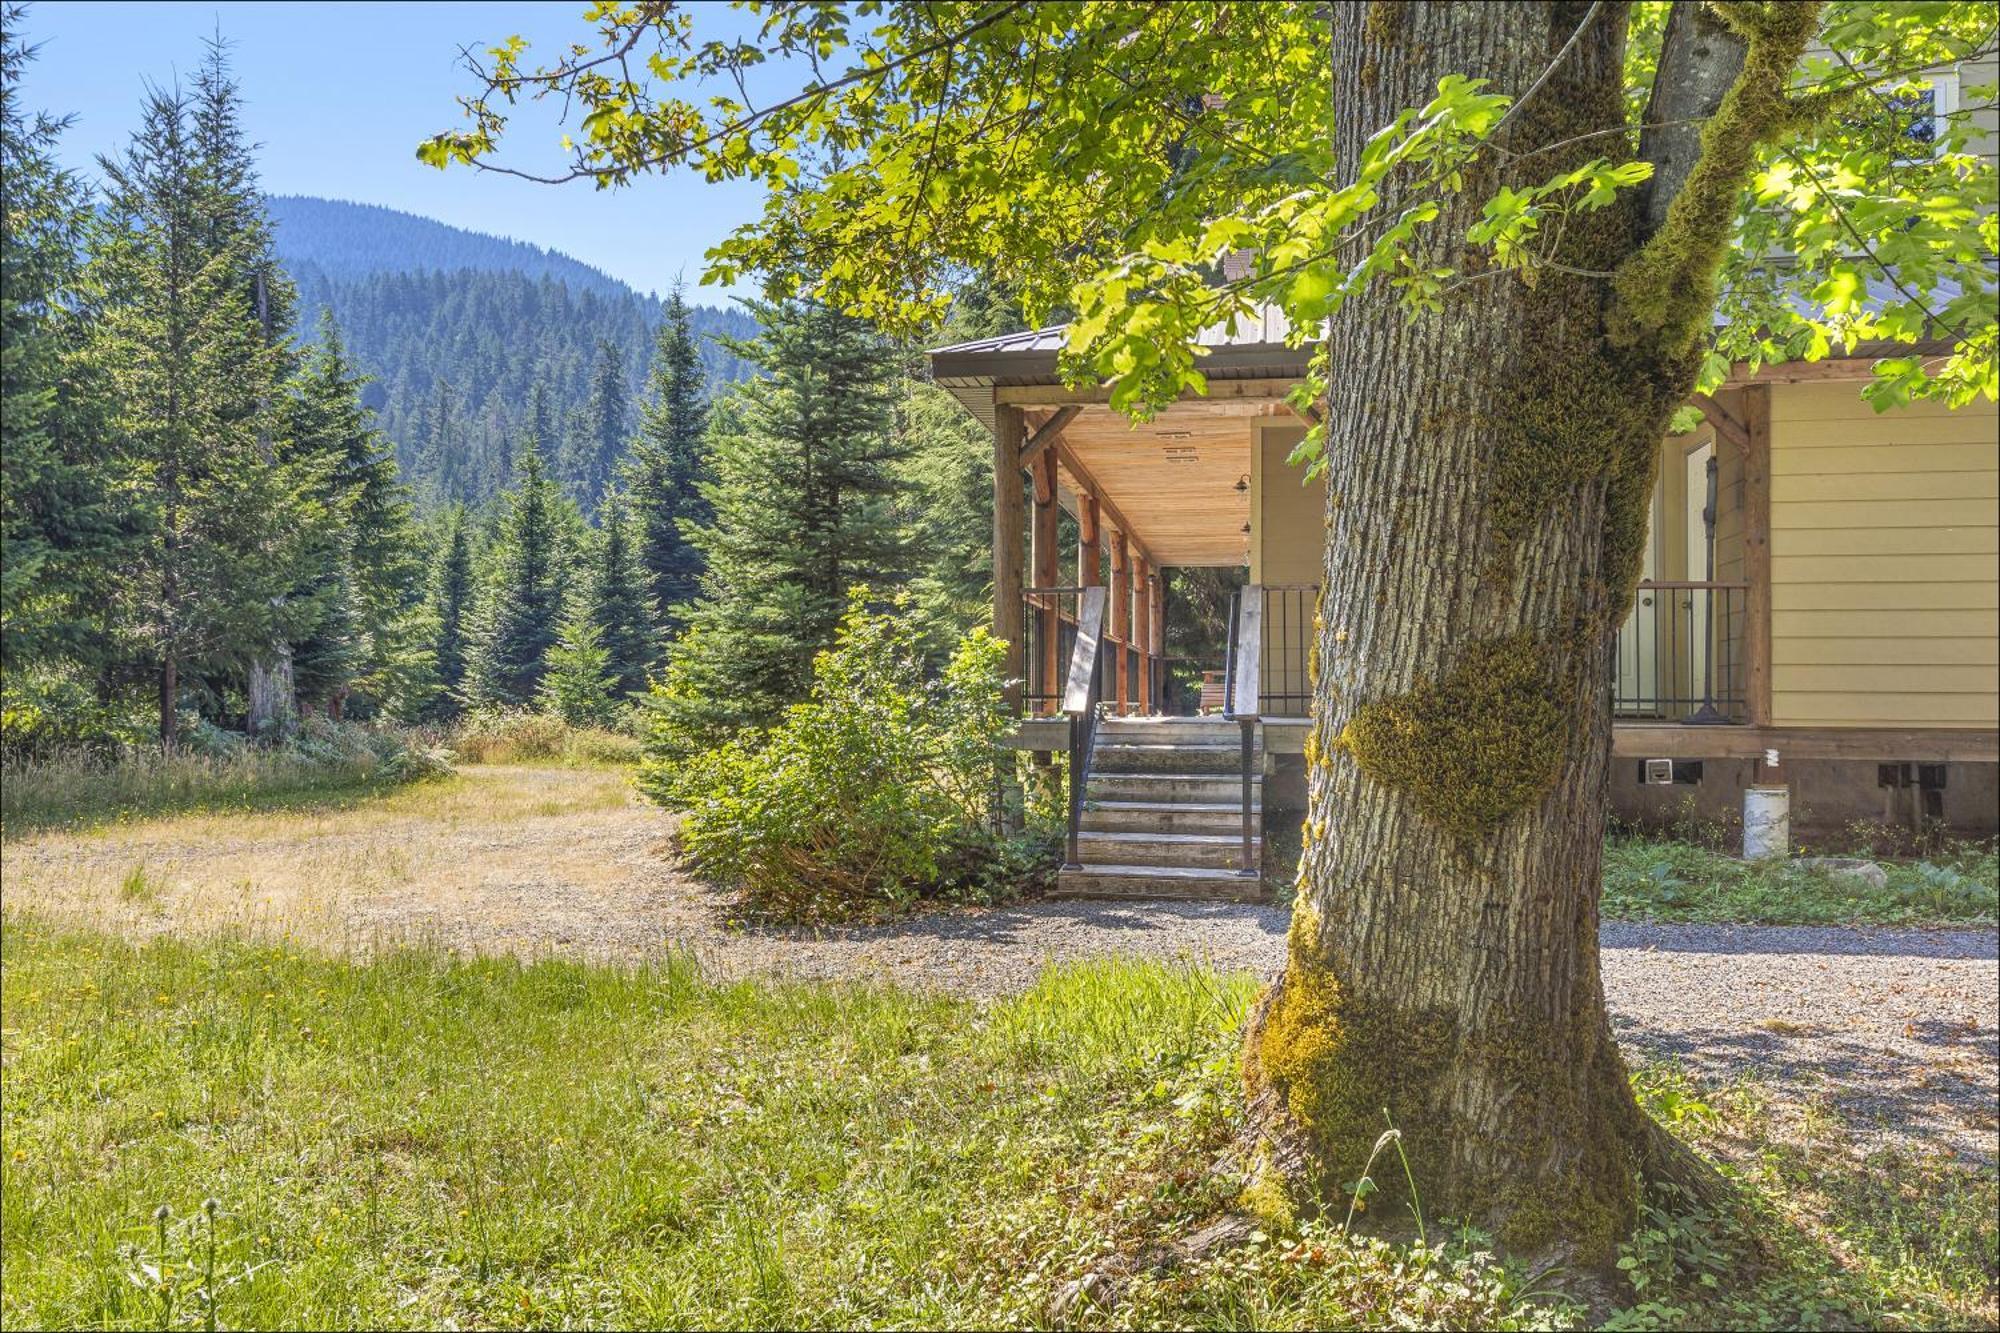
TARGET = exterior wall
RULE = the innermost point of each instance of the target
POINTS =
(1288, 513)
(1287, 544)
(1833, 800)
(1885, 532)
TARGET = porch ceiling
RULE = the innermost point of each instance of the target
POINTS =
(1172, 478)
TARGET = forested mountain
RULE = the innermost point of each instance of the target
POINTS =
(460, 331)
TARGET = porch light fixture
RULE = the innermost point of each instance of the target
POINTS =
(1243, 483)
(1246, 529)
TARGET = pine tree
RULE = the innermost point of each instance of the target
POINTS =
(522, 604)
(618, 605)
(802, 499)
(195, 377)
(580, 681)
(376, 569)
(596, 437)
(666, 467)
(451, 604)
(61, 518)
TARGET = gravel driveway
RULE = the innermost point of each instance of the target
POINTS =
(1895, 1029)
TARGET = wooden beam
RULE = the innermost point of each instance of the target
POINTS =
(1725, 422)
(1056, 395)
(1047, 433)
(1089, 485)
(1047, 566)
(1757, 549)
(1009, 428)
(1121, 618)
(1932, 745)
(1142, 630)
(1157, 595)
(1802, 372)
(1089, 545)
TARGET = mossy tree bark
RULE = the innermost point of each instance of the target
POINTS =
(1489, 475)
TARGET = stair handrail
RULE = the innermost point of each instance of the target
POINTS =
(1244, 702)
(1081, 692)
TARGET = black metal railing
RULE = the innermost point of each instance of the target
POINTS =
(1680, 653)
(1083, 688)
(1286, 689)
(1048, 619)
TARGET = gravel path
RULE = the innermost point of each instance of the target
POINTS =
(1893, 1029)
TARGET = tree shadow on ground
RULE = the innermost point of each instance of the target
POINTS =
(1850, 941)
(1932, 1089)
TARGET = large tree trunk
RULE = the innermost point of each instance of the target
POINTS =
(1488, 475)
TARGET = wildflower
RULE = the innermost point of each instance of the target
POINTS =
(20, 1155)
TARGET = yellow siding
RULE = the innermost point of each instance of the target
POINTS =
(1287, 545)
(1288, 537)
(1885, 588)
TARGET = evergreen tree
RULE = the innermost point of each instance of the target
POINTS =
(580, 681)
(451, 604)
(666, 467)
(802, 498)
(618, 605)
(522, 604)
(437, 464)
(375, 573)
(596, 435)
(61, 522)
(186, 275)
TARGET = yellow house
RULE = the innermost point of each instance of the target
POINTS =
(1820, 603)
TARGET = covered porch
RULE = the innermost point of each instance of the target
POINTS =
(1086, 499)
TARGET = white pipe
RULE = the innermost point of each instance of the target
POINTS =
(1767, 822)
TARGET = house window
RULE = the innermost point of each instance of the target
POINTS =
(1923, 114)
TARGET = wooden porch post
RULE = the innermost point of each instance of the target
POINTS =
(1142, 629)
(1089, 543)
(1009, 428)
(1047, 567)
(1757, 557)
(1157, 595)
(1121, 617)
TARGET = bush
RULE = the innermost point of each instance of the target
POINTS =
(875, 791)
(215, 769)
(517, 736)
(51, 711)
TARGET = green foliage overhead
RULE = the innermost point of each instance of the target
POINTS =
(1105, 157)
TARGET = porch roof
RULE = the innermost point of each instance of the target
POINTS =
(1170, 484)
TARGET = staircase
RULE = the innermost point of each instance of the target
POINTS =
(1163, 813)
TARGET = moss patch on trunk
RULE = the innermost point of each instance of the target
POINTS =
(1482, 741)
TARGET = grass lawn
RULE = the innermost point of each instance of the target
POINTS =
(1658, 880)
(418, 1141)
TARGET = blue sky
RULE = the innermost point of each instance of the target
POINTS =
(340, 94)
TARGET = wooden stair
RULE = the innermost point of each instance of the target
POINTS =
(1163, 813)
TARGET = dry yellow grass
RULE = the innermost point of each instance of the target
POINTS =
(502, 846)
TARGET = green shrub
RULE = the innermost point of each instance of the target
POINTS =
(877, 790)
(517, 736)
(49, 711)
